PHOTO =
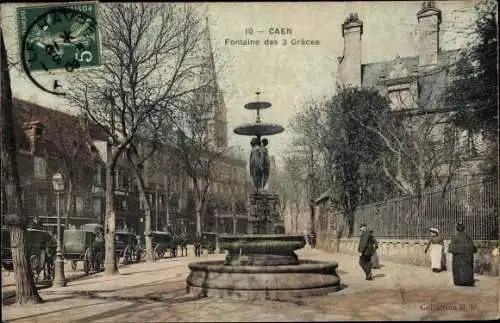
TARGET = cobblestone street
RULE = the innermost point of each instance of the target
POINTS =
(157, 292)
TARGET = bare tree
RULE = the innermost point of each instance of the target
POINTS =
(148, 52)
(165, 163)
(202, 133)
(199, 152)
(420, 141)
(12, 203)
(292, 190)
(307, 151)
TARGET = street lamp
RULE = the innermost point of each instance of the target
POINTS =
(59, 279)
(216, 230)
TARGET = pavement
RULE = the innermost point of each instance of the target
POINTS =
(156, 292)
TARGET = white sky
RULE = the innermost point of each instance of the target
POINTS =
(286, 75)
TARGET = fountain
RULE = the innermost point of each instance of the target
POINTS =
(262, 264)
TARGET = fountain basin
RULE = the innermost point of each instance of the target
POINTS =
(261, 249)
(308, 278)
(258, 129)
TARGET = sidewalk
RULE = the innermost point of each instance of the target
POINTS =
(157, 292)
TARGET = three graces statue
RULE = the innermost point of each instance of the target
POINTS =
(259, 162)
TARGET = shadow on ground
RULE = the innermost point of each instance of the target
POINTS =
(174, 296)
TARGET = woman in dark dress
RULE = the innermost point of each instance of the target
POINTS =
(463, 249)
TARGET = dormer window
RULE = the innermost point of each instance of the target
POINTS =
(400, 97)
(400, 86)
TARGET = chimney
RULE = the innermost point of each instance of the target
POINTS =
(349, 71)
(429, 18)
(34, 131)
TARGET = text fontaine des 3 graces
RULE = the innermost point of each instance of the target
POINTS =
(272, 36)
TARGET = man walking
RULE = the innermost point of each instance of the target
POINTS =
(366, 250)
(197, 245)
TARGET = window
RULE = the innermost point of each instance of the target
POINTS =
(471, 146)
(98, 175)
(468, 142)
(117, 179)
(400, 99)
(41, 202)
(79, 206)
(96, 208)
(40, 168)
(449, 139)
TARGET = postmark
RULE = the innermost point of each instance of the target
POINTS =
(58, 39)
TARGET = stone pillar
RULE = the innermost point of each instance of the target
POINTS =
(429, 18)
(349, 69)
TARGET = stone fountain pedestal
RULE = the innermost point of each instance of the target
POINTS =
(262, 266)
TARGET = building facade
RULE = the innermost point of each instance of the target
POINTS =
(50, 141)
(414, 84)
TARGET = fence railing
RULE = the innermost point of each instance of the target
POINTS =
(476, 205)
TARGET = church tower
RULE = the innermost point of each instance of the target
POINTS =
(218, 119)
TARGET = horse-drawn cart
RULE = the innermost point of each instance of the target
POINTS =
(41, 247)
(127, 247)
(83, 245)
(163, 242)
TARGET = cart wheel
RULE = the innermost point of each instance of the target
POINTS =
(157, 254)
(87, 261)
(73, 264)
(50, 267)
(34, 267)
(125, 256)
(138, 255)
(97, 262)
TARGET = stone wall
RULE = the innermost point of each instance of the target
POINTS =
(486, 260)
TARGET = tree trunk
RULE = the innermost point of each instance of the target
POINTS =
(312, 208)
(147, 218)
(297, 218)
(110, 265)
(26, 291)
(137, 168)
(199, 206)
(69, 201)
(198, 216)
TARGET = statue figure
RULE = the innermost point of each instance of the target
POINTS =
(265, 162)
(256, 166)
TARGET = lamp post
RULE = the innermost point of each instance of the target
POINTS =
(216, 230)
(59, 279)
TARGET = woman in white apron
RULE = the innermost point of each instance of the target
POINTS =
(435, 246)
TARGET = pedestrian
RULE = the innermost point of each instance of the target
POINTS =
(374, 260)
(197, 245)
(463, 249)
(366, 249)
(313, 239)
(436, 247)
(184, 250)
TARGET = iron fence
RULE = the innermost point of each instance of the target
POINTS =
(476, 205)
